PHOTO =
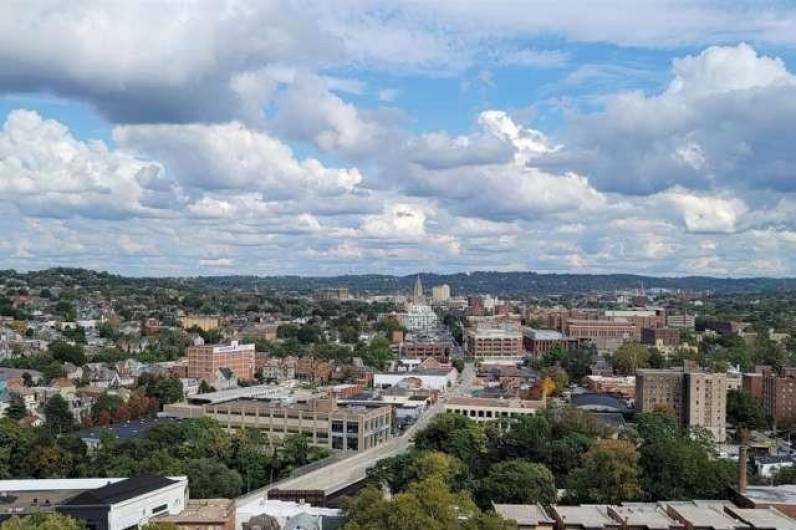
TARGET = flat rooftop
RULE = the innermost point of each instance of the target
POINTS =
(764, 518)
(495, 402)
(524, 514)
(202, 511)
(585, 515)
(784, 494)
(544, 334)
(705, 514)
(129, 430)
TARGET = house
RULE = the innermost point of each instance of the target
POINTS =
(225, 379)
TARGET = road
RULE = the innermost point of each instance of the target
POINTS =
(349, 470)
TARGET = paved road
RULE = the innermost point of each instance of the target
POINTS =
(350, 470)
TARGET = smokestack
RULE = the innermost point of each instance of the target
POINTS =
(742, 458)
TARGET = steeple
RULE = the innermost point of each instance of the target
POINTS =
(418, 294)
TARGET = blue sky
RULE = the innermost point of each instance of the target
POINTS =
(310, 137)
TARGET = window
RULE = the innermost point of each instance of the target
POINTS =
(161, 508)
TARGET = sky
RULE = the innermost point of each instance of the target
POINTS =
(321, 137)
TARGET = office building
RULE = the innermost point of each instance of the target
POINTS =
(204, 361)
(493, 343)
(604, 334)
(440, 293)
(695, 397)
(437, 345)
(353, 428)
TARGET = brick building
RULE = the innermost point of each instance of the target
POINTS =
(660, 336)
(204, 360)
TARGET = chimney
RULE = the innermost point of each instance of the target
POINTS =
(742, 460)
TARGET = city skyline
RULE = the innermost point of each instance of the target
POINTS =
(317, 139)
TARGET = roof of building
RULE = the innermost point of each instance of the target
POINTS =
(524, 514)
(783, 494)
(585, 515)
(705, 514)
(495, 402)
(610, 420)
(599, 402)
(647, 515)
(54, 484)
(544, 334)
(202, 511)
(769, 518)
(121, 491)
(129, 430)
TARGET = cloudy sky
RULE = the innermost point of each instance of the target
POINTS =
(352, 136)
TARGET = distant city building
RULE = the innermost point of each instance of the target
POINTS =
(606, 335)
(491, 342)
(205, 360)
(339, 294)
(684, 321)
(776, 391)
(420, 318)
(203, 322)
(417, 294)
(537, 342)
(695, 397)
(666, 337)
(440, 293)
(422, 345)
(722, 327)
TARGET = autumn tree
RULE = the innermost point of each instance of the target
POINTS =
(609, 474)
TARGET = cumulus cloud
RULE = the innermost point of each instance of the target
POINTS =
(726, 120)
(233, 156)
(46, 171)
(145, 62)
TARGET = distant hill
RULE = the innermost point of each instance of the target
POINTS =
(506, 283)
(500, 283)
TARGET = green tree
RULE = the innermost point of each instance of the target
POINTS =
(427, 504)
(456, 435)
(609, 474)
(745, 411)
(212, 479)
(378, 353)
(400, 471)
(517, 482)
(67, 353)
(577, 362)
(680, 464)
(58, 417)
(42, 521)
(629, 357)
(16, 407)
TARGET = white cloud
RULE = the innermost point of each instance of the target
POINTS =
(232, 156)
(707, 214)
(47, 172)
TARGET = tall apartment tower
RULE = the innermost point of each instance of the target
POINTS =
(695, 397)
(440, 293)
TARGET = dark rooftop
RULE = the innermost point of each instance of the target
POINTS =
(129, 430)
(120, 491)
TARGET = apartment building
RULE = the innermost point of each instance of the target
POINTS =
(440, 293)
(487, 342)
(204, 360)
(777, 391)
(695, 397)
(661, 337)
